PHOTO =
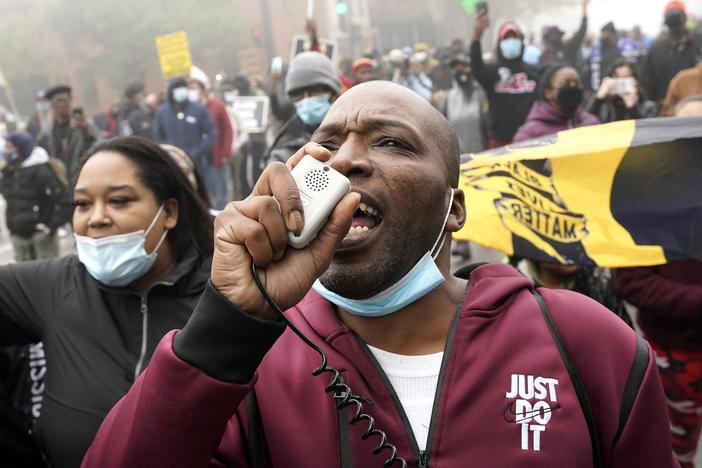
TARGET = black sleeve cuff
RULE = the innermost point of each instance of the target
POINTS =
(225, 342)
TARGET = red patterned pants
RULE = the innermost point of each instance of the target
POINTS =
(681, 372)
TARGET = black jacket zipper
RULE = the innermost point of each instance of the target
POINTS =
(422, 456)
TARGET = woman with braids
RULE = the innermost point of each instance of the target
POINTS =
(144, 242)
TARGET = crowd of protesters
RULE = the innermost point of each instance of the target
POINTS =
(147, 174)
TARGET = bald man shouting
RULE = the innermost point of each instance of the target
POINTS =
(435, 369)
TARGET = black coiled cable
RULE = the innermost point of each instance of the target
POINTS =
(342, 393)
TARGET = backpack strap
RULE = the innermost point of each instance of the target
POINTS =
(578, 384)
(633, 383)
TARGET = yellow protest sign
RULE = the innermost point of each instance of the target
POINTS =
(174, 54)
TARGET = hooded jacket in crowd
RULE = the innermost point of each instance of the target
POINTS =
(33, 194)
(511, 87)
(544, 120)
(178, 414)
(190, 129)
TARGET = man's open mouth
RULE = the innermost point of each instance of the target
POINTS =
(365, 218)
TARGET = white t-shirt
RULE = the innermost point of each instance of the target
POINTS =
(414, 379)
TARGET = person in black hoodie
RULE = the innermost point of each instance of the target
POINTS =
(509, 82)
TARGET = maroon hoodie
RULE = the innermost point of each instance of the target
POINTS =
(544, 120)
(179, 415)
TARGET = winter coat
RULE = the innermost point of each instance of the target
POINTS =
(32, 192)
(664, 60)
(78, 145)
(612, 108)
(544, 120)
(292, 136)
(97, 339)
(179, 415)
(511, 89)
(669, 301)
(135, 121)
(190, 129)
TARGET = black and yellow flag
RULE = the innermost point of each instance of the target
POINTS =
(620, 194)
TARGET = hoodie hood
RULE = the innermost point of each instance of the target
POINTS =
(174, 83)
(36, 157)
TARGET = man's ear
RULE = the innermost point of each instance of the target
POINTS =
(171, 210)
(457, 216)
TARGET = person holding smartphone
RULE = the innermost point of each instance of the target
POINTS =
(509, 82)
(620, 95)
(70, 134)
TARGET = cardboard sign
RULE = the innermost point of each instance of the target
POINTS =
(174, 54)
(301, 43)
(252, 110)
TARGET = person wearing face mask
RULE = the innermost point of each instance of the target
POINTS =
(312, 86)
(187, 125)
(674, 50)
(509, 82)
(144, 244)
(216, 175)
(559, 106)
(463, 105)
(455, 369)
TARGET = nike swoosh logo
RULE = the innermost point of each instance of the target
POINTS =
(525, 416)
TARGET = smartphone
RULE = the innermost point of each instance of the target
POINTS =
(481, 8)
(77, 111)
(277, 64)
(321, 188)
(624, 86)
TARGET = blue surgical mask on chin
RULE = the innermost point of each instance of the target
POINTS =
(511, 48)
(118, 260)
(420, 280)
(312, 110)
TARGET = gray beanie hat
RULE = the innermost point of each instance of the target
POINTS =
(310, 69)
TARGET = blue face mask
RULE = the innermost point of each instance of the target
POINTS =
(420, 280)
(41, 106)
(118, 260)
(180, 94)
(312, 110)
(511, 48)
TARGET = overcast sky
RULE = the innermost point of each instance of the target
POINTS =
(624, 13)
